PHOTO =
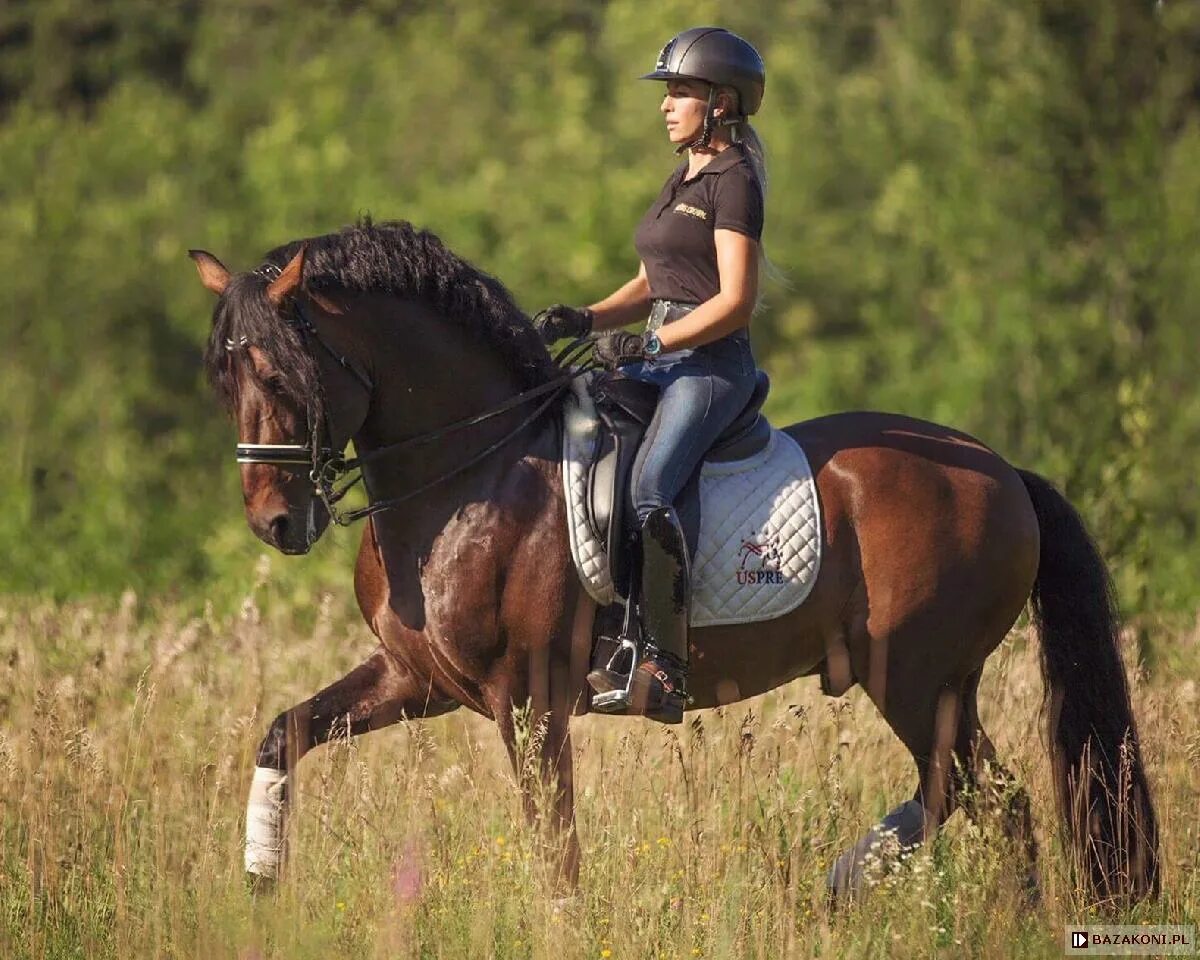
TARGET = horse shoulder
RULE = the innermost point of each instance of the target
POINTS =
(537, 561)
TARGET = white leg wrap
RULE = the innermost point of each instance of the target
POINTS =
(265, 822)
(902, 829)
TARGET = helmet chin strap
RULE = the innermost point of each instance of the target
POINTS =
(710, 124)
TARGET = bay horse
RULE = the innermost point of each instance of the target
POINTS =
(933, 545)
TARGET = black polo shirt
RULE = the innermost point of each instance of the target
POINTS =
(675, 237)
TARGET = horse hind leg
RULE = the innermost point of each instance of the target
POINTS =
(956, 767)
(930, 735)
(985, 788)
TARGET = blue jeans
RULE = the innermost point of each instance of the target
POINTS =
(703, 391)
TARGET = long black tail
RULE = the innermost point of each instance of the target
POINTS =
(1101, 784)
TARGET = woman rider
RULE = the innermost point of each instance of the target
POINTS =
(698, 279)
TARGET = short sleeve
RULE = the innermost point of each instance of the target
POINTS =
(739, 203)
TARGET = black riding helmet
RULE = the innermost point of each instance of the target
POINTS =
(719, 58)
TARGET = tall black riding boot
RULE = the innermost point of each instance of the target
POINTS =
(658, 687)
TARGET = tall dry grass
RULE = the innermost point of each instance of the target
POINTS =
(127, 747)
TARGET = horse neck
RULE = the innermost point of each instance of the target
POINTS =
(429, 373)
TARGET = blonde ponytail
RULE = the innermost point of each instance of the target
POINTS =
(756, 154)
(748, 137)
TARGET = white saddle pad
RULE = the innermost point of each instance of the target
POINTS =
(760, 527)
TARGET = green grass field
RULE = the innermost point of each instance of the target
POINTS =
(127, 748)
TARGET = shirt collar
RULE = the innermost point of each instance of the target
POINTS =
(731, 156)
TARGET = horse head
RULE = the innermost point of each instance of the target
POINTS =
(275, 360)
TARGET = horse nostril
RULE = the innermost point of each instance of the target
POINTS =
(279, 528)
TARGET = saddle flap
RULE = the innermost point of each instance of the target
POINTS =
(609, 483)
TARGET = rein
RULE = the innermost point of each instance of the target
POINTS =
(330, 496)
(329, 468)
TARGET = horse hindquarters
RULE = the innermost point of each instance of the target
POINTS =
(1103, 795)
(941, 537)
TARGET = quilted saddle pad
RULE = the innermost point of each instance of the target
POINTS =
(760, 529)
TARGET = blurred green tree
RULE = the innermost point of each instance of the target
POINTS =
(985, 214)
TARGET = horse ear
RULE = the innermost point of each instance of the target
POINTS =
(289, 279)
(213, 274)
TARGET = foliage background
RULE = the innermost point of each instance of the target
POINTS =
(986, 213)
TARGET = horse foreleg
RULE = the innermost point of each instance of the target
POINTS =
(557, 775)
(567, 690)
(559, 757)
(541, 754)
(376, 693)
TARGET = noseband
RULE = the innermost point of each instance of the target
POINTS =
(328, 469)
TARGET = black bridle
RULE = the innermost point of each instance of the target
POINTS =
(328, 468)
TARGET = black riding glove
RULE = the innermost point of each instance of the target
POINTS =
(559, 321)
(618, 349)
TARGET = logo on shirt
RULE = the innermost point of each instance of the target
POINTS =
(691, 211)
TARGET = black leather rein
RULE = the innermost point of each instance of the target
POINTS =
(328, 469)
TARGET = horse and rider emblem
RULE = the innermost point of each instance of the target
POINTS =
(759, 558)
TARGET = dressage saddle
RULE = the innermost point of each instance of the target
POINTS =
(625, 408)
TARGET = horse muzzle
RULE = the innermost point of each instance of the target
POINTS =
(289, 529)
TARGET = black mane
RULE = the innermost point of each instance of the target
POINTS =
(391, 257)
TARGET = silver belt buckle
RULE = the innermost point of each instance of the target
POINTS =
(658, 314)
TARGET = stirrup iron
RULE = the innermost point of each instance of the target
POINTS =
(629, 644)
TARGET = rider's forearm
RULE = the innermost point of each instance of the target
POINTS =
(628, 304)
